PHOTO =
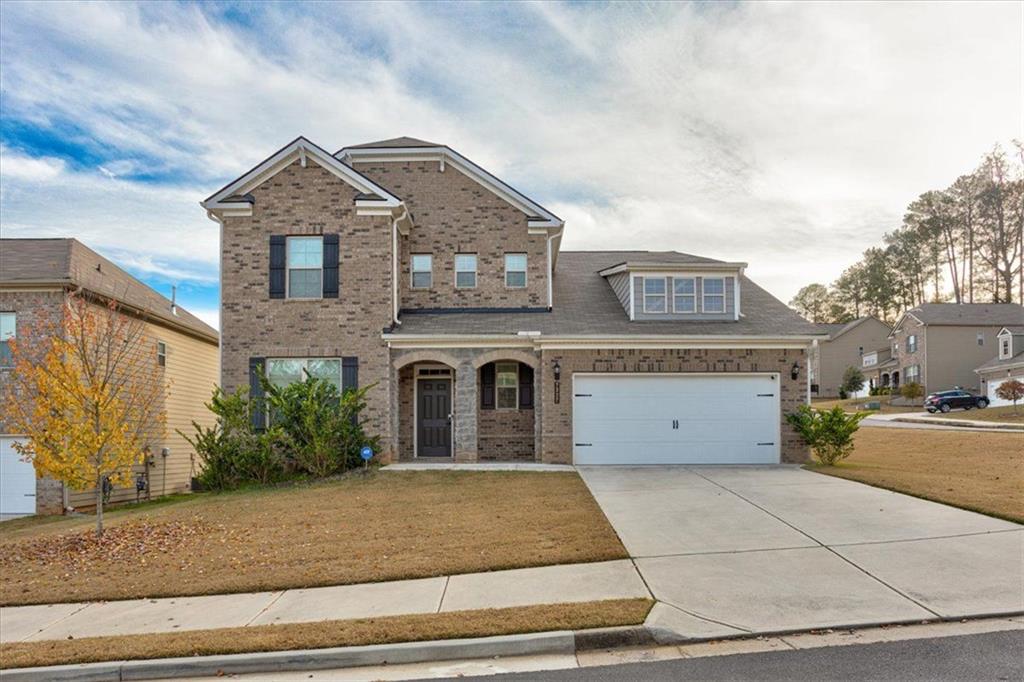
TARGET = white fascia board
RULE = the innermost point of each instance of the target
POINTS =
(462, 164)
(594, 342)
(300, 148)
(669, 269)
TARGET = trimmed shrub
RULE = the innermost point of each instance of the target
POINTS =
(912, 391)
(829, 433)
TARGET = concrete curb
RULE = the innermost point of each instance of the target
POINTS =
(560, 642)
(956, 422)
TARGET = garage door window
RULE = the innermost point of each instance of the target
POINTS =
(654, 294)
(508, 385)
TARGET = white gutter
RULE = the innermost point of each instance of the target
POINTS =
(551, 269)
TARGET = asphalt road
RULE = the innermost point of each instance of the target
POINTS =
(994, 656)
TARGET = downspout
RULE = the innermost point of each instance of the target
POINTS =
(220, 291)
(394, 266)
(551, 268)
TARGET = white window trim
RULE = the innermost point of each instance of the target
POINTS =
(497, 386)
(908, 344)
(693, 296)
(160, 354)
(704, 296)
(664, 295)
(525, 270)
(1005, 347)
(288, 268)
(475, 270)
(413, 271)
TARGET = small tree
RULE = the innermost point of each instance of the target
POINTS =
(853, 380)
(89, 397)
(912, 391)
(829, 433)
(1012, 390)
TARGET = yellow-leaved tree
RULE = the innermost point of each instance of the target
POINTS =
(88, 394)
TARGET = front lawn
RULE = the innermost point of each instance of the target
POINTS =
(389, 526)
(975, 470)
(332, 633)
(1004, 414)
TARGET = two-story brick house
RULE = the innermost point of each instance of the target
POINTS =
(404, 266)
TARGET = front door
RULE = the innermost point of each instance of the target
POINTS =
(433, 418)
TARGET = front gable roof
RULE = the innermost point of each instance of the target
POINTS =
(409, 148)
(235, 195)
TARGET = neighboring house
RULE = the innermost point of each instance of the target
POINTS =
(939, 345)
(878, 367)
(1008, 364)
(844, 347)
(403, 266)
(36, 276)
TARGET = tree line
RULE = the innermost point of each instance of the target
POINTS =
(962, 244)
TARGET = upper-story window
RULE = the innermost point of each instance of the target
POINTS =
(684, 295)
(161, 353)
(912, 343)
(1004, 348)
(465, 270)
(8, 330)
(654, 294)
(981, 339)
(422, 270)
(515, 270)
(714, 295)
(305, 267)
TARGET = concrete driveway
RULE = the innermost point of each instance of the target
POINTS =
(732, 550)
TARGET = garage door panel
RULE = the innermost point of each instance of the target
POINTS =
(676, 419)
(17, 481)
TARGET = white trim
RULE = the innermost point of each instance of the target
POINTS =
(632, 297)
(675, 311)
(525, 270)
(704, 296)
(670, 268)
(776, 375)
(448, 156)
(476, 269)
(643, 290)
(736, 295)
(300, 148)
(434, 341)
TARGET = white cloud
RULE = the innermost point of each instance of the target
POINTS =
(210, 316)
(790, 136)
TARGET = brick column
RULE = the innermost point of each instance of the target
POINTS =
(465, 402)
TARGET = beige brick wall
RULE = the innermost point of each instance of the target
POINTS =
(35, 311)
(300, 201)
(455, 214)
(556, 424)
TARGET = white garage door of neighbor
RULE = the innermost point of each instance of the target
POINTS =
(17, 481)
(676, 419)
(993, 386)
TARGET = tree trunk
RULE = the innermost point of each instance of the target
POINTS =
(99, 506)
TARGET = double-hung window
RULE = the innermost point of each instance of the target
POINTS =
(8, 330)
(913, 374)
(507, 380)
(1004, 348)
(912, 343)
(684, 295)
(654, 295)
(305, 267)
(714, 295)
(465, 270)
(161, 353)
(515, 270)
(422, 270)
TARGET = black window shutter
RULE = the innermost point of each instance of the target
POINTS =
(256, 406)
(330, 266)
(278, 255)
(349, 373)
(487, 386)
(525, 387)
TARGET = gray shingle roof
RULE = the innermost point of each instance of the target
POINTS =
(68, 262)
(394, 142)
(996, 363)
(970, 314)
(585, 305)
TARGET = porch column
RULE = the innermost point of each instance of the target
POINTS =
(465, 412)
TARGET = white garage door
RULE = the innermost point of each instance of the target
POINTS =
(17, 481)
(676, 419)
(996, 401)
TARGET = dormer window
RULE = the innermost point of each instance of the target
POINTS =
(1004, 347)
(714, 295)
(684, 295)
(654, 294)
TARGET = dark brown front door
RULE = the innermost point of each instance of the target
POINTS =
(433, 425)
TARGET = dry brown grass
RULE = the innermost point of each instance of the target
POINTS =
(332, 633)
(389, 526)
(1004, 414)
(975, 470)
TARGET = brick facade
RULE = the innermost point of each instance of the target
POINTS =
(455, 214)
(556, 424)
(308, 201)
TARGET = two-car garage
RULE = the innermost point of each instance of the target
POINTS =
(704, 418)
(17, 481)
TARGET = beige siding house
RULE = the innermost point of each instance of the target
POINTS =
(1007, 365)
(36, 276)
(845, 346)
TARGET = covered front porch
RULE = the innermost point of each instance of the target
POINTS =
(465, 405)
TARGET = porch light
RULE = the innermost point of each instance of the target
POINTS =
(556, 369)
(794, 371)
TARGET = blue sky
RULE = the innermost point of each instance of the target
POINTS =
(790, 136)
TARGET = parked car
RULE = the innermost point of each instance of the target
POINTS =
(944, 401)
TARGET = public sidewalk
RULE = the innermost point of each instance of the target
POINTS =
(945, 422)
(495, 589)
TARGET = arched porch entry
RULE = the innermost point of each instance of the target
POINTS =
(507, 406)
(426, 405)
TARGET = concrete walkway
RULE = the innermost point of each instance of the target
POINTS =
(737, 550)
(952, 421)
(496, 589)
